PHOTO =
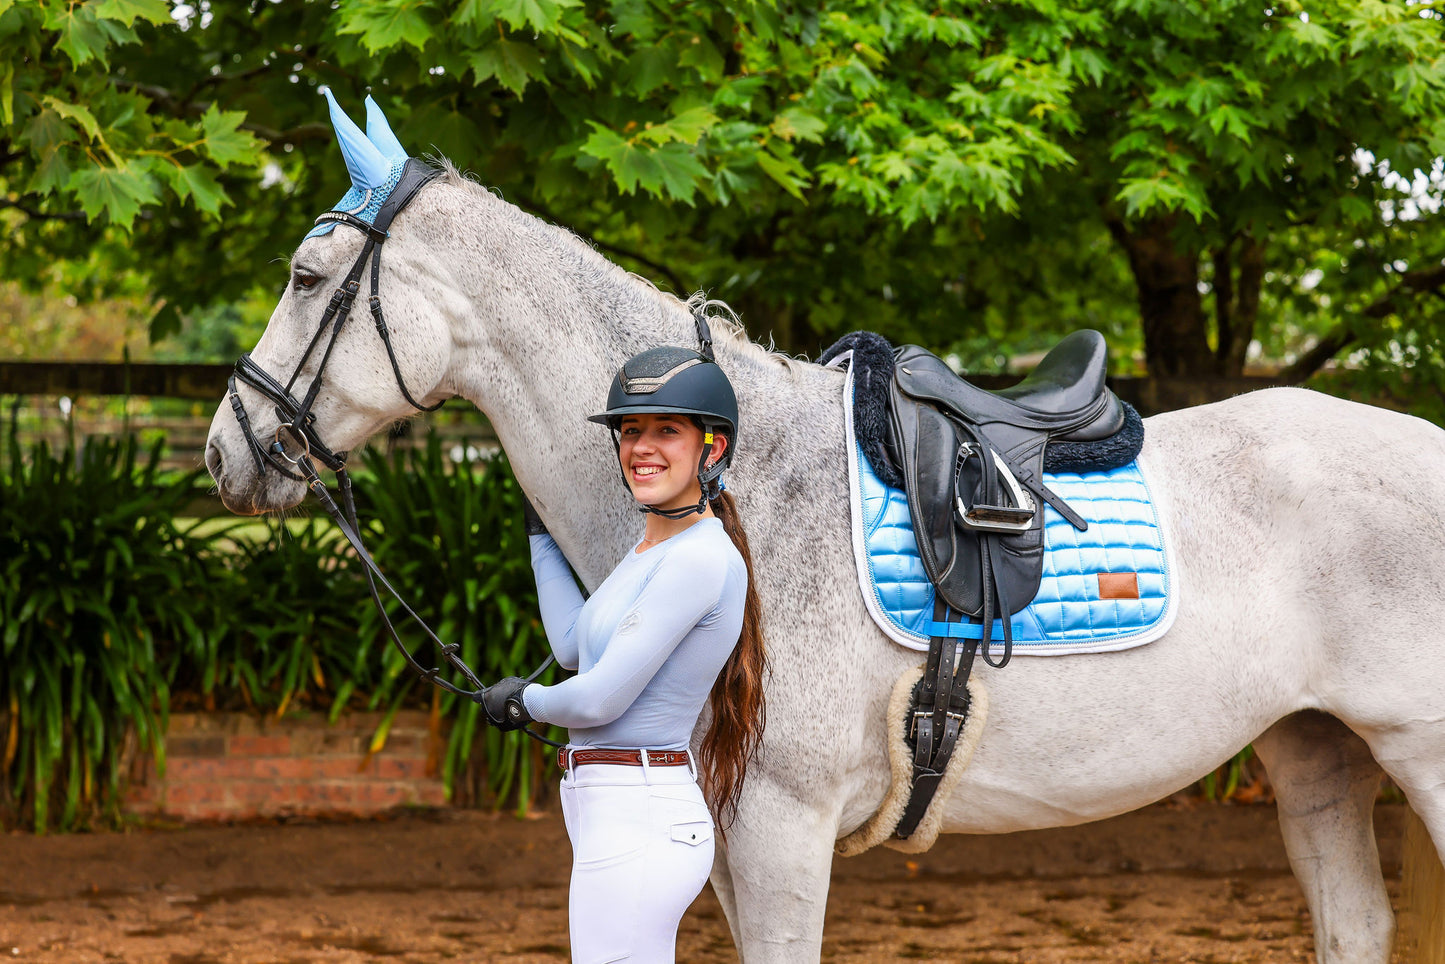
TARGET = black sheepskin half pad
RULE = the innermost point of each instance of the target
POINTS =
(1118, 449)
(872, 366)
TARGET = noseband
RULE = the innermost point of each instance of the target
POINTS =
(298, 423)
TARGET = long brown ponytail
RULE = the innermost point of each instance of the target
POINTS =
(738, 711)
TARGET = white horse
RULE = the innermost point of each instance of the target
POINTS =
(1308, 533)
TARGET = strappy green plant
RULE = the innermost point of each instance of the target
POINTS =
(287, 631)
(451, 535)
(99, 595)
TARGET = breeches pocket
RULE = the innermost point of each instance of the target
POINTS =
(608, 825)
(683, 813)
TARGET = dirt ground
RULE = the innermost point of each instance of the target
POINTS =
(1165, 884)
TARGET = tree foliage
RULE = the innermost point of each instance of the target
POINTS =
(956, 172)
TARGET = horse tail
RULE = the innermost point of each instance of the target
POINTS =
(1424, 918)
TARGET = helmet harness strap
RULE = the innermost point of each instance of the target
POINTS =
(711, 488)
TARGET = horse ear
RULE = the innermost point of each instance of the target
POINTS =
(378, 131)
(368, 166)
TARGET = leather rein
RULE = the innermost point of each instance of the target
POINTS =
(296, 443)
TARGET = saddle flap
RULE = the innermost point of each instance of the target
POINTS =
(927, 443)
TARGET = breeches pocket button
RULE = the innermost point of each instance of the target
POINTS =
(692, 833)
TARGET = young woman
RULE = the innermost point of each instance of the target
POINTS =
(675, 625)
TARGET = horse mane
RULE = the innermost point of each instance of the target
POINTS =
(729, 335)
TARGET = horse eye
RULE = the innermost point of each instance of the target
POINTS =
(305, 280)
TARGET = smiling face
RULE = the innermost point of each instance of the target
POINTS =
(659, 454)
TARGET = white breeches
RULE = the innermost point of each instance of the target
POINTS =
(642, 848)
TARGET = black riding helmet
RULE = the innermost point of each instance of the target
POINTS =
(679, 381)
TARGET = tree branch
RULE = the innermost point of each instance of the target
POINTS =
(302, 132)
(182, 108)
(211, 80)
(1425, 281)
(41, 215)
(1413, 282)
(1224, 302)
(1247, 285)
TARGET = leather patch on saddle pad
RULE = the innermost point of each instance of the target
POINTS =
(1118, 585)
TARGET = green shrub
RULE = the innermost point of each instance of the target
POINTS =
(100, 593)
(286, 622)
(450, 538)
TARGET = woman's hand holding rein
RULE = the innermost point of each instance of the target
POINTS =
(502, 702)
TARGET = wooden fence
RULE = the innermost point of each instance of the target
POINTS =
(177, 401)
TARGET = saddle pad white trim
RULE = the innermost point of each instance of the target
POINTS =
(1038, 631)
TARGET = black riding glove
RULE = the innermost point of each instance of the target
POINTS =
(531, 521)
(503, 704)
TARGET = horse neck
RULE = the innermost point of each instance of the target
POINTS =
(551, 322)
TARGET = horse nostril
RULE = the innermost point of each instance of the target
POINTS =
(214, 461)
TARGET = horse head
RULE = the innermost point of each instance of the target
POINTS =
(346, 351)
(484, 301)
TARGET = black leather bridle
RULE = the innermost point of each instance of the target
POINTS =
(296, 441)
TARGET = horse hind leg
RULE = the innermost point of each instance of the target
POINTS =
(1413, 754)
(1325, 782)
(722, 888)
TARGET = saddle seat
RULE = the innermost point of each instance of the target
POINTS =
(1064, 396)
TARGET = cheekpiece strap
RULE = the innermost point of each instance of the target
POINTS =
(704, 332)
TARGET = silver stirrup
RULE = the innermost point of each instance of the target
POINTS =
(1000, 518)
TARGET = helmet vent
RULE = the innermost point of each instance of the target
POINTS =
(644, 378)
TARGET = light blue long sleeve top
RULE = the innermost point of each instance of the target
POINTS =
(647, 645)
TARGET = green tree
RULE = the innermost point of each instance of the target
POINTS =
(973, 173)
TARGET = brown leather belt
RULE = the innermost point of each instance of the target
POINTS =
(630, 758)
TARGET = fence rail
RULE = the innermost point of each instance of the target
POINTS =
(50, 399)
(175, 402)
(206, 382)
(192, 381)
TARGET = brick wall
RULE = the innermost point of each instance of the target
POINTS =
(231, 766)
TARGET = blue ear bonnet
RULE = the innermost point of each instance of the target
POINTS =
(374, 159)
(364, 203)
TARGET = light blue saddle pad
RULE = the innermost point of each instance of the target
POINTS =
(1069, 614)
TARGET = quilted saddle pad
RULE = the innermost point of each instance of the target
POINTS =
(1075, 611)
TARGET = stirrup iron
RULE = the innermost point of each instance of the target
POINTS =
(994, 518)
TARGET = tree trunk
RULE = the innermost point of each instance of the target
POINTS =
(1236, 302)
(1170, 307)
(766, 316)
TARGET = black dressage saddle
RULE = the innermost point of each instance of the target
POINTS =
(972, 463)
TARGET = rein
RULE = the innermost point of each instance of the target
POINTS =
(296, 440)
